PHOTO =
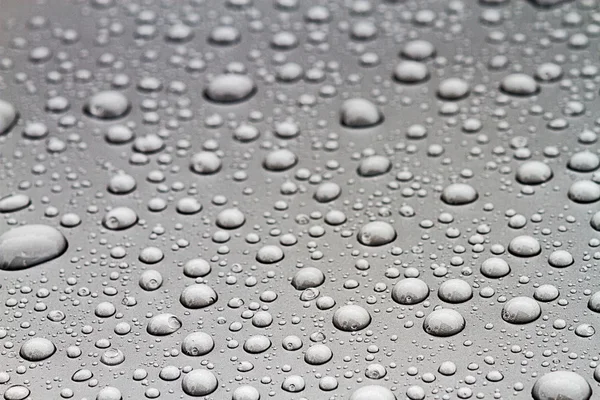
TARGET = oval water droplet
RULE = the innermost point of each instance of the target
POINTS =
(30, 245)
(107, 105)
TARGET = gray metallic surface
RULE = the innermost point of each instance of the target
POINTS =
(494, 359)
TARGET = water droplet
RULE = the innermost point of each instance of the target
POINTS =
(8, 117)
(524, 246)
(163, 325)
(410, 291)
(230, 88)
(458, 194)
(37, 349)
(30, 245)
(199, 382)
(444, 322)
(106, 105)
(360, 113)
(376, 233)
(351, 318)
(521, 310)
(561, 385)
(372, 392)
(533, 173)
(14, 203)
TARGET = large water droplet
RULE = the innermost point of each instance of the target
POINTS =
(230, 88)
(109, 104)
(351, 318)
(521, 310)
(360, 113)
(410, 291)
(199, 382)
(559, 385)
(444, 322)
(37, 349)
(458, 194)
(372, 392)
(8, 116)
(30, 245)
(376, 233)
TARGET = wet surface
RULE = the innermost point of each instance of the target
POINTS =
(364, 200)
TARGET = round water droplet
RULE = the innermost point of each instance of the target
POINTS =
(584, 161)
(197, 344)
(16, 392)
(351, 318)
(584, 191)
(376, 233)
(560, 259)
(293, 384)
(524, 246)
(37, 349)
(106, 105)
(163, 325)
(198, 296)
(594, 302)
(327, 192)
(245, 392)
(14, 203)
(318, 354)
(205, 163)
(521, 310)
(230, 88)
(109, 393)
(519, 85)
(411, 72)
(199, 382)
(360, 113)
(280, 160)
(453, 89)
(8, 117)
(196, 267)
(546, 293)
(257, 344)
(533, 173)
(308, 277)
(458, 194)
(112, 357)
(410, 291)
(372, 392)
(269, 254)
(151, 280)
(374, 166)
(30, 245)
(495, 268)
(455, 291)
(120, 218)
(444, 322)
(188, 206)
(230, 218)
(561, 385)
